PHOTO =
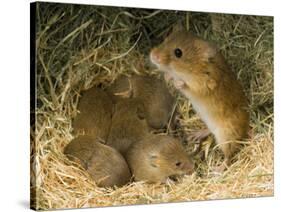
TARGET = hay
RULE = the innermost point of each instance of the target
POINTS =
(83, 46)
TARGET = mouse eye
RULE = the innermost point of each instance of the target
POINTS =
(178, 52)
(178, 164)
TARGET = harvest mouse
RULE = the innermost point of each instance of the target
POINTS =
(153, 92)
(200, 72)
(106, 166)
(128, 124)
(157, 157)
(96, 110)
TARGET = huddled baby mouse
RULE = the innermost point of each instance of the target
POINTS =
(106, 165)
(156, 97)
(200, 72)
(95, 112)
(158, 157)
(152, 92)
(128, 124)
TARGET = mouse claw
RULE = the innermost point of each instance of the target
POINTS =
(124, 94)
(197, 138)
(167, 77)
(199, 135)
(179, 84)
(221, 168)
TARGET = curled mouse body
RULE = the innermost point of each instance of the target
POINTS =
(158, 157)
(153, 92)
(95, 112)
(120, 88)
(200, 72)
(158, 101)
(128, 124)
(106, 166)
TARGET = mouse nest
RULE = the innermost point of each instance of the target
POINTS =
(83, 46)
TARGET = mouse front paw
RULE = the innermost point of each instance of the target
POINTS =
(167, 77)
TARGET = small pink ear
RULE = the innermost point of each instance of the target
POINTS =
(211, 84)
(210, 51)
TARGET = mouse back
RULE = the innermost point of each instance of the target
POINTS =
(105, 165)
(95, 111)
(128, 124)
(157, 99)
(80, 148)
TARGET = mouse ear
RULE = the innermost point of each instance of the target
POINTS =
(209, 50)
(212, 84)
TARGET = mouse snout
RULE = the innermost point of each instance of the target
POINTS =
(188, 168)
(155, 57)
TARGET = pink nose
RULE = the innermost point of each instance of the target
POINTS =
(189, 167)
(155, 58)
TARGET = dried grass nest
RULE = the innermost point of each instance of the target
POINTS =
(83, 46)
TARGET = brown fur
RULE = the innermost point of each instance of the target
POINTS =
(106, 166)
(209, 84)
(128, 124)
(154, 159)
(95, 112)
(157, 100)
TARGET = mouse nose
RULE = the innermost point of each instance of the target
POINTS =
(154, 57)
(189, 168)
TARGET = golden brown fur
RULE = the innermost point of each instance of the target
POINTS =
(106, 166)
(128, 124)
(210, 85)
(158, 102)
(153, 92)
(95, 112)
(157, 157)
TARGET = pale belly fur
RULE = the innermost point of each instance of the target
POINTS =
(205, 115)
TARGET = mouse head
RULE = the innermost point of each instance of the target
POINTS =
(171, 159)
(186, 57)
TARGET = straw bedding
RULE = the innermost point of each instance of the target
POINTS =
(83, 46)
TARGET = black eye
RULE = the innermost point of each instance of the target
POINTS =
(178, 164)
(178, 52)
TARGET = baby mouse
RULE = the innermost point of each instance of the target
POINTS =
(153, 92)
(128, 124)
(158, 101)
(200, 72)
(106, 166)
(158, 157)
(96, 110)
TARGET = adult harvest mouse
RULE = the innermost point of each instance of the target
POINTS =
(95, 112)
(158, 157)
(128, 124)
(200, 72)
(106, 166)
(153, 92)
